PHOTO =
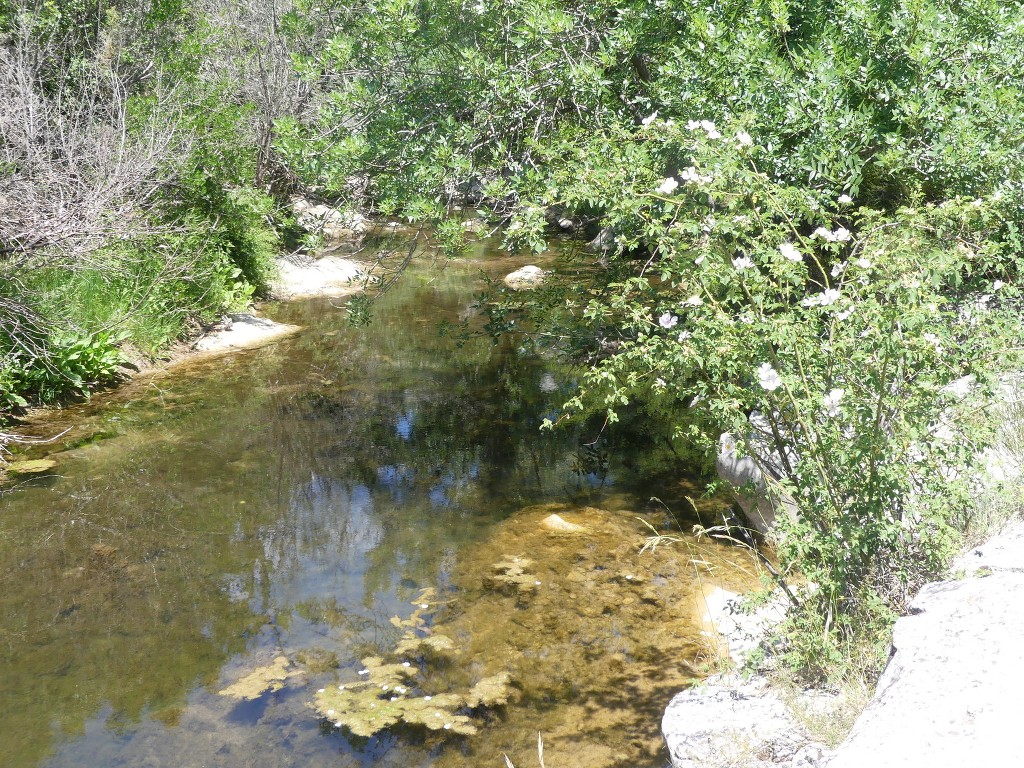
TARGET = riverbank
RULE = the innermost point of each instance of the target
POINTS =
(945, 697)
(327, 276)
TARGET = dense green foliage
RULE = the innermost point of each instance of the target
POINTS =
(812, 212)
(816, 212)
(130, 205)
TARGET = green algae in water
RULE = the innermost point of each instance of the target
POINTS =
(30, 467)
(370, 706)
(384, 699)
(265, 679)
(391, 692)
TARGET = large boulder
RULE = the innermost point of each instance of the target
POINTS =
(340, 229)
(727, 721)
(950, 695)
(731, 720)
(332, 276)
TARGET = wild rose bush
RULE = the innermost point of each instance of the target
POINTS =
(869, 341)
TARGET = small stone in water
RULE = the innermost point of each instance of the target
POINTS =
(363, 672)
(321, 690)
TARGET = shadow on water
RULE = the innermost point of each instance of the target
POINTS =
(289, 501)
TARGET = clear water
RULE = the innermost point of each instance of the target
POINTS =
(290, 501)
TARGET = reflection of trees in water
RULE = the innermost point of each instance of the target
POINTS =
(111, 599)
(345, 468)
(437, 443)
(440, 452)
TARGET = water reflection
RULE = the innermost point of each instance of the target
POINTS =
(206, 520)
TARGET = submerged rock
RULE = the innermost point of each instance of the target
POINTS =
(561, 525)
(607, 637)
(317, 659)
(513, 576)
(30, 467)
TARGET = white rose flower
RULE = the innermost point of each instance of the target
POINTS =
(826, 298)
(668, 320)
(768, 377)
(668, 186)
(831, 401)
(790, 252)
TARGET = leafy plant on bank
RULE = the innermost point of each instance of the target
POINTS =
(73, 366)
(132, 211)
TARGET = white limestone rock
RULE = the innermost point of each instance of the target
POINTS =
(742, 630)
(327, 276)
(243, 331)
(951, 693)
(1005, 552)
(525, 278)
(340, 229)
(728, 722)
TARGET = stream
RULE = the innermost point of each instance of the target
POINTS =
(295, 504)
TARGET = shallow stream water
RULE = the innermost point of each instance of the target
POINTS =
(288, 502)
